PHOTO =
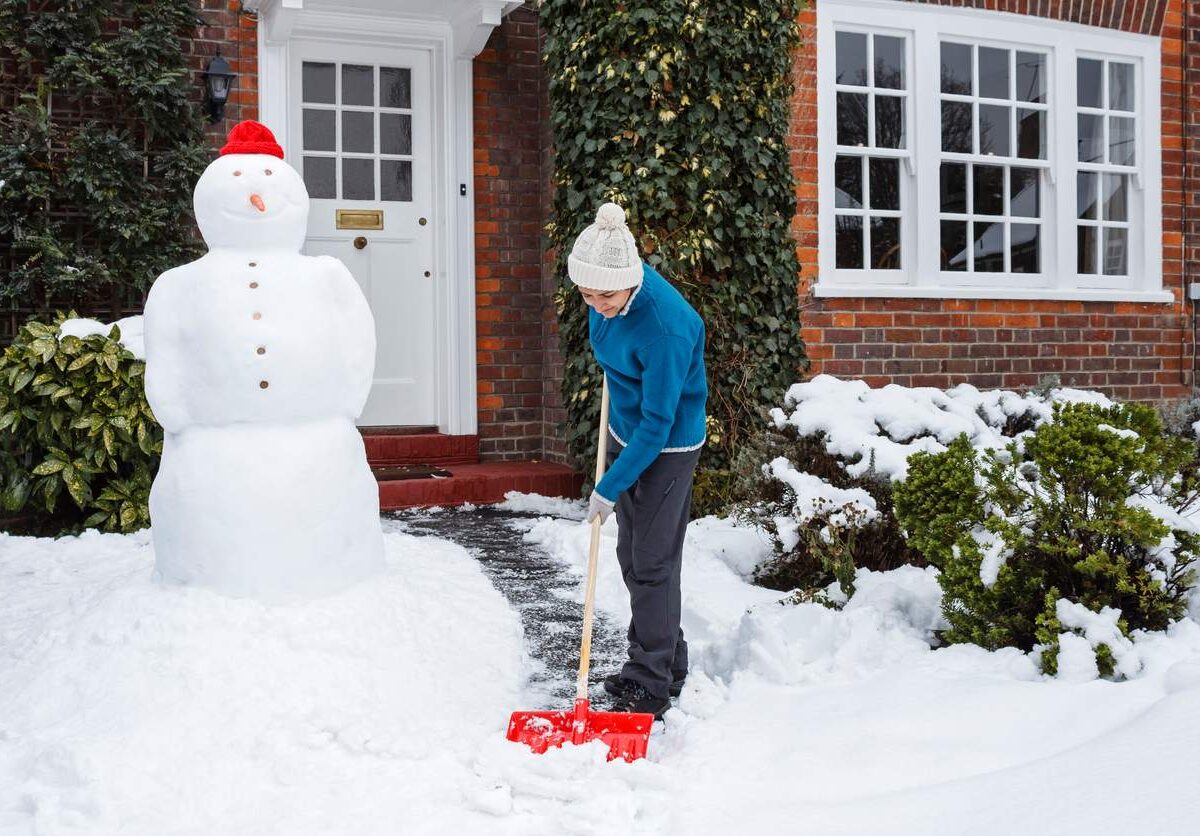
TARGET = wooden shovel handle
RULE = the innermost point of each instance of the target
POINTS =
(589, 600)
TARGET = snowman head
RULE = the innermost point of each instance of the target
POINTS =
(249, 197)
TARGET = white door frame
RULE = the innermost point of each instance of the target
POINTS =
(453, 39)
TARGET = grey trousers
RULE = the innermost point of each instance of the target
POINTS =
(652, 519)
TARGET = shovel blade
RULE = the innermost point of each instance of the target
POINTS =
(626, 735)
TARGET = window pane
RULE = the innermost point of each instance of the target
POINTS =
(1120, 86)
(852, 58)
(358, 131)
(358, 85)
(885, 243)
(989, 190)
(989, 247)
(956, 68)
(395, 133)
(1025, 245)
(954, 246)
(954, 189)
(889, 62)
(1122, 147)
(319, 129)
(316, 82)
(1116, 251)
(1085, 189)
(847, 182)
(1031, 134)
(395, 179)
(849, 242)
(889, 122)
(993, 73)
(885, 183)
(1116, 197)
(994, 128)
(320, 177)
(395, 87)
(1091, 138)
(1087, 83)
(358, 179)
(1024, 193)
(852, 119)
(956, 127)
(1086, 243)
(1031, 77)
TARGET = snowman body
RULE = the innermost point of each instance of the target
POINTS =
(259, 360)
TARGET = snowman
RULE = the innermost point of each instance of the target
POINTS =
(258, 361)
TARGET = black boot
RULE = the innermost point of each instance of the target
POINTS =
(637, 700)
(617, 684)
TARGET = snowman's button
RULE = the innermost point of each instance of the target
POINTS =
(257, 315)
(262, 384)
(262, 349)
(253, 285)
(253, 263)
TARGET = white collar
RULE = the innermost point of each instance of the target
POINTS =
(636, 290)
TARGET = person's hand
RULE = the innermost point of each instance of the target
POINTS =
(600, 507)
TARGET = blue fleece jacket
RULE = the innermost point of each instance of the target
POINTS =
(653, 354)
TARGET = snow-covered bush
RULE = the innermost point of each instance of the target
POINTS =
(74, 420)
(1089, 509)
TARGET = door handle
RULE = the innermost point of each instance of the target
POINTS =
(360, 242)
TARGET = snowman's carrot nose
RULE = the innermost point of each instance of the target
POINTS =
(258, 203)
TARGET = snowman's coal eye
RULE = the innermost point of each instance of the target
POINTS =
(237, 174)
(267, 171)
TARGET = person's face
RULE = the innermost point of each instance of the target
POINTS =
(607, 303)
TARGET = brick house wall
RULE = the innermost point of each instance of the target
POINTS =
(1130, 351)
(234, 34)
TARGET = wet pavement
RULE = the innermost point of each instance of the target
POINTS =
(539, 587)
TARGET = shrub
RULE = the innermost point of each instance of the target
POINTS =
(1089, 507)
(74, 420)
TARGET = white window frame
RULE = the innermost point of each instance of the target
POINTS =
(921, 276)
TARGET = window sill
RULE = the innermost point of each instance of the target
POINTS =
(836, 291)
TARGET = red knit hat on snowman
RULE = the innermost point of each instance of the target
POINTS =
(251, 137)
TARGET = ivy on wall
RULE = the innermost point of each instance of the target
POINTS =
(678, 110)
(98, 152)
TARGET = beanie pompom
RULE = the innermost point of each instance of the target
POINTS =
(610, 216)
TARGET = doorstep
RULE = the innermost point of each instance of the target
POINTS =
(480, 484)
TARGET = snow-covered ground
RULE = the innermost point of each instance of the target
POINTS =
(135, 708)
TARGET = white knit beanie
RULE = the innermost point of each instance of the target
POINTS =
(605, 256)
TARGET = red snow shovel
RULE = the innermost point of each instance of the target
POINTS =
(626, 735)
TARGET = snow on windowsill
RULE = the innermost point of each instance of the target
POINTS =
(829, 290)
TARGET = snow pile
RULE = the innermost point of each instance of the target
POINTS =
(132, 332)
(551, 506)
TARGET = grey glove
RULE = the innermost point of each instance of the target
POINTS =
(600, 507)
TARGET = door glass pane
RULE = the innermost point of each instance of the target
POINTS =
(954, 246)
(320, 177)
(1031, 134)
(849, 244)
(889, 62)
(852, 58)
(358, 132)
(889, 122)
(989, 190)
(1024, 248)
(396, 179)
(994, 123)
(885, 243)
(989, 247)
(320, 130)
(885, 184)
(317, 83)
(1088, 82)
(358, 179)
(1086, 244)
(1024, 198)
(1031, 77)
(954, 188)
(852, 119)
(956, 127)
(1121, 145)
(1116, 197)
(1091, 138)
(993, 73)
(358, 85)
(1085, 188)
(395, 133)
(395, 87)
(847, 182)
(1116, 251)
(956, 69)
(1120, 86)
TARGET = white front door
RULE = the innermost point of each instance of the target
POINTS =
(362, 136)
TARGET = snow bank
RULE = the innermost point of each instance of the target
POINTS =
(553, 506)
(132, 332)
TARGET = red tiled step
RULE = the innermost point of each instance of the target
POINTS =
(389, 450)
(481, 484)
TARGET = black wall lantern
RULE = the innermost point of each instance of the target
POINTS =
(219, 78)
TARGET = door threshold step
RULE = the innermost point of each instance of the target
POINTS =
(480, 484)
(433, 448)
